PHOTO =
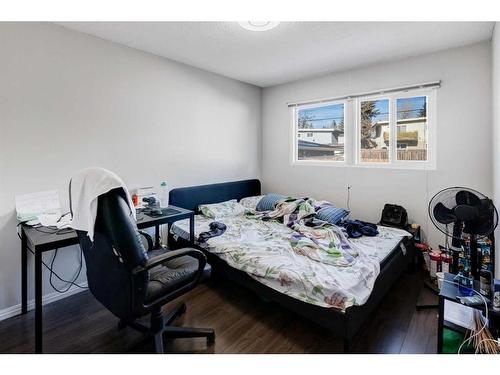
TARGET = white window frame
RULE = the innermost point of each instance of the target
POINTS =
(352, 139)
(295, 129)
(431, 140)
(357, 145)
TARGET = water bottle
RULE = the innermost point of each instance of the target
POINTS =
(163, 195)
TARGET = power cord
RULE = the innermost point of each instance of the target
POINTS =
(348, 197)
(497, 341)
(70, 283)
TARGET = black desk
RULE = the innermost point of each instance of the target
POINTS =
(41, 239)
(450, 292)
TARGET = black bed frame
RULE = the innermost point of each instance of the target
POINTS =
(344, 324)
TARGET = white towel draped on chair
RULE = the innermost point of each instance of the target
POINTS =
(85, 188)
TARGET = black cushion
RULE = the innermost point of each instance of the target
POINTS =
(171, 275)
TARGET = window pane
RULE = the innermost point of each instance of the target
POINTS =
(412, 128)
(374, 131)
(320, 133)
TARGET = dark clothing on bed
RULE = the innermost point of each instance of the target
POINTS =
(216, 229)
(358, 228)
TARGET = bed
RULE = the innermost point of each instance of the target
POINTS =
(301, 294)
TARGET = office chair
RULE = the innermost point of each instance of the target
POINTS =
(131, 283)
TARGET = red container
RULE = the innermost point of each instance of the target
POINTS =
(446, 262)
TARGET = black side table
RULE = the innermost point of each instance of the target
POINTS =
(450, 292)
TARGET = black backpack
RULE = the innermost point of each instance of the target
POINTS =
(394, 216)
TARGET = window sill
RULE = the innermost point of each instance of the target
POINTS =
(416, 166)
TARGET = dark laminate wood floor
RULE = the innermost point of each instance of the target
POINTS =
(243, 324)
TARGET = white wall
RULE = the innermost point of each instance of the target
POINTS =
(495, 46)
(464, 155)
(69, 101)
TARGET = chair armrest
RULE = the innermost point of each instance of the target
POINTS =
(148, 238)
(156, 261)
(153, 262)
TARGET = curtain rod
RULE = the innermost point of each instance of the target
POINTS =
(370, 93)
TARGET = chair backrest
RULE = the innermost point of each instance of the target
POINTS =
(116, 250)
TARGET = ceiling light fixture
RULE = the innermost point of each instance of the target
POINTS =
(258, 25)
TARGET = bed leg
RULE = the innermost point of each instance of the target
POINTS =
(347, 346)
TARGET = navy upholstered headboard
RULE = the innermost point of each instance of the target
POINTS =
(191, 197)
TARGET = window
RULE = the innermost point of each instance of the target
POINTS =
(375, 125)
(320, 132)
(412, 117)
(374, 135)
(395, 130)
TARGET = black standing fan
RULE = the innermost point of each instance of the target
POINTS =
(458, 210)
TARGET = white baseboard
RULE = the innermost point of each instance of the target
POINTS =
(46, 299)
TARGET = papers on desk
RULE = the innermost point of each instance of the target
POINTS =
(54, 220)
(459, 314)
(30, 206)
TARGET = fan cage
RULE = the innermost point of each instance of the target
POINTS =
(447, 198)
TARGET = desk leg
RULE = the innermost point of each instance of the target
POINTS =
(440, 326)
(169, 226)
(24, 272)
(157, 236)
(38, 302)
(191, 229)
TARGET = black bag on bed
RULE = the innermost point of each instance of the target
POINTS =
(394, 216)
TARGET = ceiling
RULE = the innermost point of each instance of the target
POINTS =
(292, 50)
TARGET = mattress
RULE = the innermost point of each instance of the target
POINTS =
(262, 249)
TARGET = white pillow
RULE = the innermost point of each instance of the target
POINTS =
(251, 202)
(223, 209)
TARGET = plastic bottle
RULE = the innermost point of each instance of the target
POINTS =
(435, 263)
(163, 195)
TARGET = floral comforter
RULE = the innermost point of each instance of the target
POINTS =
(263, 250)
(313, 238)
